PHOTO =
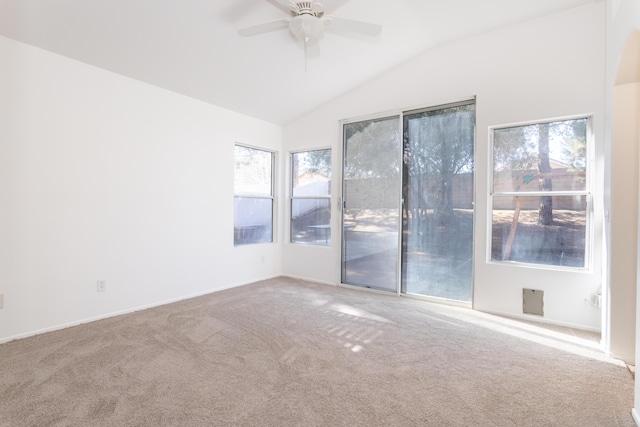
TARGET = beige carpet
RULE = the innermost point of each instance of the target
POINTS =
(285, 352)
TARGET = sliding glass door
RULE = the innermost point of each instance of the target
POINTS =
(371, 203)
(419, 186)
(437, 249)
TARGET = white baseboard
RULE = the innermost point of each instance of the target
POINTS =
(128, 311)
(436, 300)
(306, 279)
(453, 303)
(636, 416)
(541, 320)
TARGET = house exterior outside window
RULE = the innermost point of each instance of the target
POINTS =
(254, 196)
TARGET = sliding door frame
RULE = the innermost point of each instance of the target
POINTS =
(341, 200)
(341, 205)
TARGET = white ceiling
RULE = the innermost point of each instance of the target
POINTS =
(192, 47)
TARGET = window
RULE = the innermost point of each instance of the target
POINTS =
(253, 188)
(540, 193)
(311, 197)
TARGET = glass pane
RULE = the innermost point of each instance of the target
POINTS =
(311, 173)
(518, 233)
(310, 221)
(372, 194)
(253, 171)
(542, 156)
(438, 209)
(252, 221)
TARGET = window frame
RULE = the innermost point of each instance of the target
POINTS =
(587, 193)
(292, 197)
(257, 196)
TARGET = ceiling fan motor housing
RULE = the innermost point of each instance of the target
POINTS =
(301, 8)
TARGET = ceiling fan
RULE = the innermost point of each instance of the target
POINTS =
(308, 22)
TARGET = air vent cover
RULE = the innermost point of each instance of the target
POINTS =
(533, 302)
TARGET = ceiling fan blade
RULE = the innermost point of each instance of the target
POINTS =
(331, 5)
(342, 24)
(283, 5)
(264, 27)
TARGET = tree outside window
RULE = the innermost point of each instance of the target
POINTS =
(540, 194)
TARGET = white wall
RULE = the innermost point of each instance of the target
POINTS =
(624, 220)
(623, 84)
(546, 68)
(104, 177)
(621, 196)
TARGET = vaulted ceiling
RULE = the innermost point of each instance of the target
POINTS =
(192, 46)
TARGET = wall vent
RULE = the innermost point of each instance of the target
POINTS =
(533, 302)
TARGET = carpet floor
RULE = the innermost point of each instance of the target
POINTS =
(285, 352)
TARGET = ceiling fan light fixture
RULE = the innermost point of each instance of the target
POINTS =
(306, 27)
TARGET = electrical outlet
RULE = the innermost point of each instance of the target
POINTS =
(1, 300)
(102, 285)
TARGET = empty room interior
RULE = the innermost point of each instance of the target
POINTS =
(339, 212)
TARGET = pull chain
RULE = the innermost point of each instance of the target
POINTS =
(306, 40)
